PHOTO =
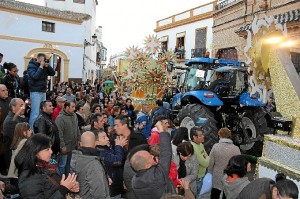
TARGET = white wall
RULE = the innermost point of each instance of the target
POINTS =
(89, 28)
(190, 30)
(21, 26)
(30, 27)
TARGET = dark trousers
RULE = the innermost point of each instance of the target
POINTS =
(7, 153)
(215, 193)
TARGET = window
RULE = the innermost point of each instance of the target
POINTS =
(180, 45)
(98, 57)
(200, 43)
(164, 46)
(164, 43)
(200, 39)
(227, 53)
(48, 26)
(79, 1)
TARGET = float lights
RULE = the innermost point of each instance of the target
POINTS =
(274, 40)
(287, 44)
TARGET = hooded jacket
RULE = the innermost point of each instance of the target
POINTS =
(233, 189)
(154, 181)
(68, 129)
(90, 172)
(142, 118)
(38, 76)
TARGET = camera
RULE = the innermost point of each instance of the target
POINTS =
(47, 61)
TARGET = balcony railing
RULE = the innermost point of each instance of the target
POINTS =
(224, 3)
(180, 53)
(198, 52)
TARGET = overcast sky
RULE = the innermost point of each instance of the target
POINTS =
(128, 22)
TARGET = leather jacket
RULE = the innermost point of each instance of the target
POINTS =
(44, 124)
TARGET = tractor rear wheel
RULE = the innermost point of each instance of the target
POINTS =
(189, 117)
(255, 125)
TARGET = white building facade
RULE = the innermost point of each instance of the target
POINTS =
(188, 34)
(101, 52)
(30, 29)
(91, 65)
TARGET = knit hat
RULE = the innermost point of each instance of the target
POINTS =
(61, 99)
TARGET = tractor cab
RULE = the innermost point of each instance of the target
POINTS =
(219, 75)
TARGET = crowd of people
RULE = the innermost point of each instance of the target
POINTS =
(77, 141)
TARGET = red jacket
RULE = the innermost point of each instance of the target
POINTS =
(154, 137)
(173, 174)
(55, 113)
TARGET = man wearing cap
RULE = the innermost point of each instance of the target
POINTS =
(38, 72)
(69, 95)
(60, 101)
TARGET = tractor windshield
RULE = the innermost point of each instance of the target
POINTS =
(235, 80)
(197, 77)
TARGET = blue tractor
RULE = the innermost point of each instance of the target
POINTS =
(216, 95)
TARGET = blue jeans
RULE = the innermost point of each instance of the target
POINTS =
(116, 197)
(35, 98)
(199, 186)
(64, 162)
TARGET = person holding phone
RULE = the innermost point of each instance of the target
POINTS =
(38, 72)
(151, 179)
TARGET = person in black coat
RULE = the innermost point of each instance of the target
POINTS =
(122, 129)
(11, 80)
(25, 85)
(79, 110)
(37, 178)
(44, 124)
(4, 103)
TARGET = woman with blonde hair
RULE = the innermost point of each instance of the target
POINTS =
(22, 132)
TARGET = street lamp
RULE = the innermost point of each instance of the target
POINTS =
(87, 43)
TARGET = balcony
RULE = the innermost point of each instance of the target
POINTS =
(224, 3)
(198, 52)
(193, 15)
(180, 54)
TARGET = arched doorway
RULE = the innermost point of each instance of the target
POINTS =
(59, 58)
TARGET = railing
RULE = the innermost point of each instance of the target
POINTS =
(180, 53)
(198, 52)
(224, 3)
(192, 13)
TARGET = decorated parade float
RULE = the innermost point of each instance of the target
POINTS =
(267, 53)
(270, 74)
(146, 76)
